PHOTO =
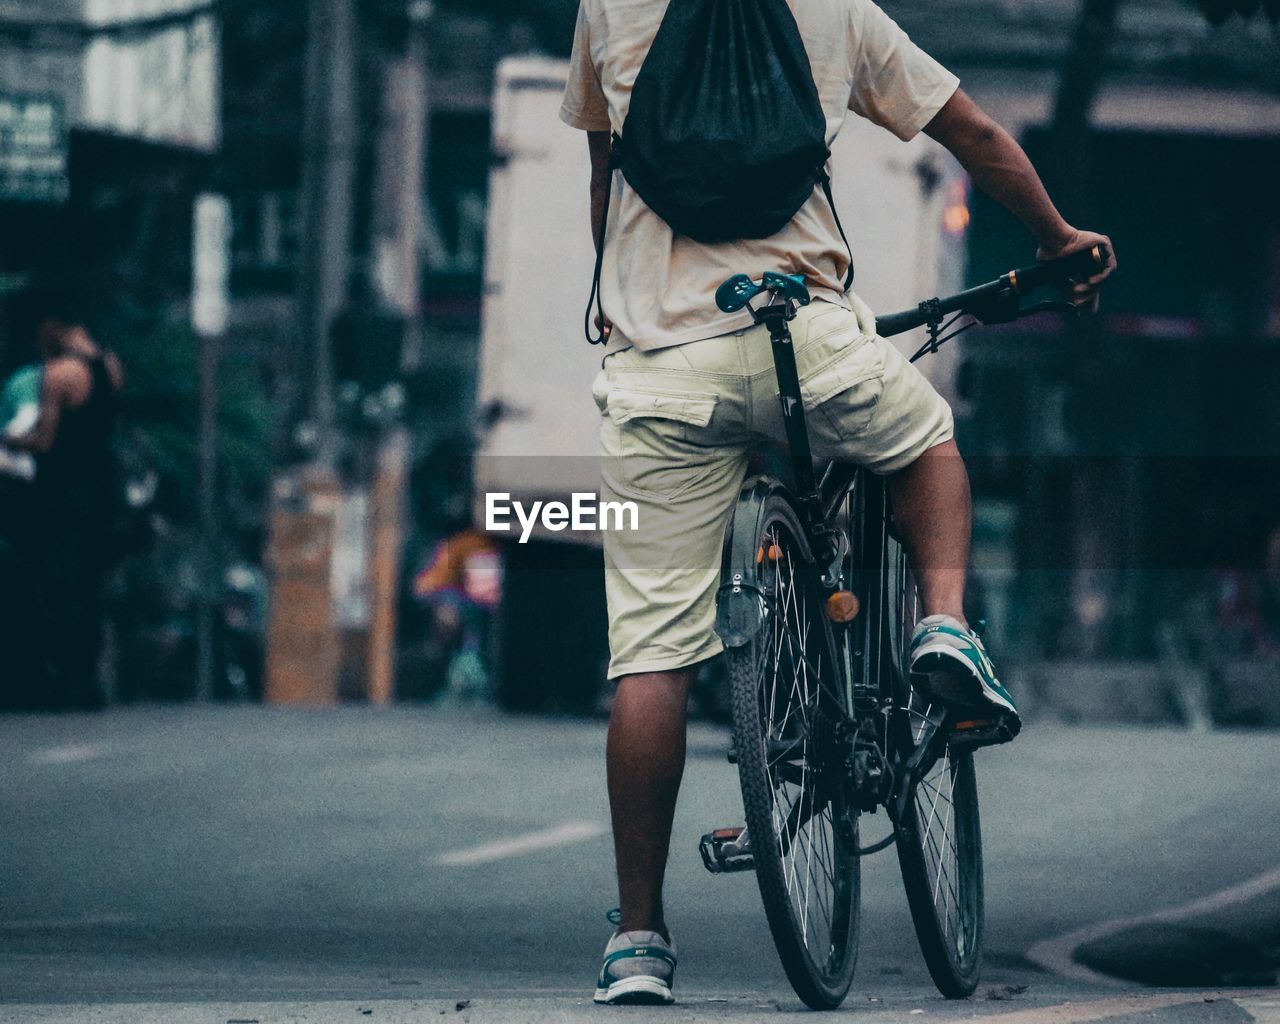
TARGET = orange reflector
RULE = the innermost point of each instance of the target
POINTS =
(727, 833)
(774, 552)
(842, 606)
(961, 726)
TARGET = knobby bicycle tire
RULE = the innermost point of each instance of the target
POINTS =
(775, 744)
(939, 838)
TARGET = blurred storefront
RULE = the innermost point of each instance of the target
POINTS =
(1124, 470)
(1113, 469)
(112, 110)
(1139, 453)
(110, 127)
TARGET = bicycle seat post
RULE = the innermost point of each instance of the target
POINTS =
(775, 317)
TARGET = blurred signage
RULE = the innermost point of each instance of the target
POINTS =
(161, 85)
(210, 259)
(33, 150)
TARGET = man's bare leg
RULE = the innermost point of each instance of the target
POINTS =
(645, 763)
(933, 512)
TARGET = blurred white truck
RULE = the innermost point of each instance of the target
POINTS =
(904, 207)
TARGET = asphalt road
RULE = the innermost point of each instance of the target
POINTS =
(220, 864)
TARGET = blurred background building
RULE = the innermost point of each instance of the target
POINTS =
(1123, 471)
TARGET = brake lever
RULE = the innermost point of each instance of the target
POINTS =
(1005, 308)
(1050, 306)
(1001, 308)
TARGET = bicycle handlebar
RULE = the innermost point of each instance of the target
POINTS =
(1086, 262)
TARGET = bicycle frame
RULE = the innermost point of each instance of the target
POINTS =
(740, 603)
(741, 606)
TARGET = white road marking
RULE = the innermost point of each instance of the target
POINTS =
(1056, 954)
(43, 923)
(530, 842)
(70, 753)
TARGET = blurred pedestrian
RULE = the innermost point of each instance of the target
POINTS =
(462, 585)
(19, 408)
(72, 497)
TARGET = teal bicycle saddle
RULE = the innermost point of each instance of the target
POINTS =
(736, 292)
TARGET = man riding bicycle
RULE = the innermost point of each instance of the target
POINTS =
(685, 391)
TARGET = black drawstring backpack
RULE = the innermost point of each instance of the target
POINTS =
(725, 136)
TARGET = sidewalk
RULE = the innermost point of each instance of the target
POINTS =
(1233, 945)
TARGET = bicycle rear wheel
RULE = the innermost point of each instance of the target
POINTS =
(787, 709)
(939, 836)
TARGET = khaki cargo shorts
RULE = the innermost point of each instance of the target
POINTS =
(677, 427)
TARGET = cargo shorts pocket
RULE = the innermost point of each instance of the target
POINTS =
(844, 390)
(656, 442)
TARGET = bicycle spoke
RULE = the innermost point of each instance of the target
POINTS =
(936, 792)
(942, 862)
(808, 878)
(822, 857)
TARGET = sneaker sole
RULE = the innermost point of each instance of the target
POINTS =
(944, 675)
(642, 990)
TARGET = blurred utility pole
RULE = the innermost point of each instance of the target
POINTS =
(211, 243)
(303, 640)
(337, 540)
(1070, 131)
(329, 136)
(396, 244)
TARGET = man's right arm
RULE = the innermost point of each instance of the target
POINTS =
(998, 166)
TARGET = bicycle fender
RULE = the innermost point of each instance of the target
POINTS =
(740, 606)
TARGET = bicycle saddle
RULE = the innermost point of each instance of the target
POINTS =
(736, 292)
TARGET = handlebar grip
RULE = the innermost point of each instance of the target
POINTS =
(896, 323)
(1084, 263)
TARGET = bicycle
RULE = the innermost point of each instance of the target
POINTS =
(816, 608)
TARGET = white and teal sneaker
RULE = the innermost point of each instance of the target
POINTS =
(638, 968)
(949, 665)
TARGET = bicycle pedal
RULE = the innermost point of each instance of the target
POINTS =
(970, 734)
(726, 850)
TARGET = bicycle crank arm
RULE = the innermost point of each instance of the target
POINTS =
(931, 746)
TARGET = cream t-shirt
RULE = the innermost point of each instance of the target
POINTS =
(657, 287)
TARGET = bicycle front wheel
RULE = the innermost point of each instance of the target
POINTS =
(939, 837)
(787, 711)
